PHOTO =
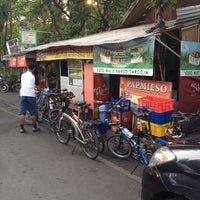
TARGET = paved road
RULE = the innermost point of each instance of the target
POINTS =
(36, 166)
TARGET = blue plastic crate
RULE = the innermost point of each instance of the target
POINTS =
(159, 118)
(125, 106)
(103, 128)
(103, 114)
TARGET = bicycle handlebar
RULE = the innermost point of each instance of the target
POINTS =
(181, 116)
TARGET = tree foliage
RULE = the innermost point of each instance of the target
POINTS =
(58, 19)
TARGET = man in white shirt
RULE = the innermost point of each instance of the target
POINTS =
(28, 98)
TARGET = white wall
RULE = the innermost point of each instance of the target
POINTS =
(64, 84)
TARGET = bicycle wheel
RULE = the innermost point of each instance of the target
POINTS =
(91, 147)
(64, 132)
(41, 112)
(53, 120)
(100, 139)
(119, 146)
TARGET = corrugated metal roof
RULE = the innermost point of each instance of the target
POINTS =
(107, 37)
(187, 14)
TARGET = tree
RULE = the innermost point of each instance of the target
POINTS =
(160, 5)
(160, 52)
(58, 19)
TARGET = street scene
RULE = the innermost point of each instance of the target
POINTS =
(36, 166)
(100, 99)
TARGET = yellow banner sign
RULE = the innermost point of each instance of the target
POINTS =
(66, 53)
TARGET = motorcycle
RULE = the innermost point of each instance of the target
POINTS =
(3, 85)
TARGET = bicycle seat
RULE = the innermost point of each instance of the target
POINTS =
(138, 114)
(96, 122)
(81, 103)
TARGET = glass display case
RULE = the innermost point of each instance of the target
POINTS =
(75, 72)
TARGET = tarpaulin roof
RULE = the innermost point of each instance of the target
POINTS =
(107, 37)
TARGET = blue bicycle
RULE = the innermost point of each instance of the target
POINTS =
(124, 144)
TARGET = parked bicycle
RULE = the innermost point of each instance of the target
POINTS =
(72, 126)
(173, 133)
(124, 144)
(192, 124)
(175, 130)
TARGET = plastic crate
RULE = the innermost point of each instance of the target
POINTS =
(157, 130)
(103, 114)
(103, 128)
(126, 104)
(160, 118)
(157, 104)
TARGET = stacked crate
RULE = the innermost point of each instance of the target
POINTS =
(124, 111)
(161, 116)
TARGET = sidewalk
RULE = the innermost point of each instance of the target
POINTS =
(11, 102)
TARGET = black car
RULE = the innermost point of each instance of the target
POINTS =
(174, 172)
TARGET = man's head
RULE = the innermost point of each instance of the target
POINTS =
(31, 66)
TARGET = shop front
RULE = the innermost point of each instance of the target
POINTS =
(64, 68)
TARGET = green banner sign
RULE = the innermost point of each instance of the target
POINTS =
(134, 57)
(190, 58)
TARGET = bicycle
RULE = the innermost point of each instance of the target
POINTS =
(124, 144)
(71, 125)
(192, 124)
(173, 133)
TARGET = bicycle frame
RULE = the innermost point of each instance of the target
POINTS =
(76, 126)
(139, 150)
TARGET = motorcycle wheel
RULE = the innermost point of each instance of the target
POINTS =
(4, 87)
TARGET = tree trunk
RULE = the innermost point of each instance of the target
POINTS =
(159, 13)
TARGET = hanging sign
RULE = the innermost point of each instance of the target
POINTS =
(21, 61)
(13, 46)
(28, 37)
(133, 89)
(133, 57)
(17, 61)
(190, 58)
(12, 62)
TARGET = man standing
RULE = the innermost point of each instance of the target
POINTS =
(28, 98)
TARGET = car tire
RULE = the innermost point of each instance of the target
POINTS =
(176, 198)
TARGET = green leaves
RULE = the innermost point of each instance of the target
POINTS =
(59, 19)
(164, 3)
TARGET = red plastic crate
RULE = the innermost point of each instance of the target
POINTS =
(157, 104)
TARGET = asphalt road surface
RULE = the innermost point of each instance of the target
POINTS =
(35, 166)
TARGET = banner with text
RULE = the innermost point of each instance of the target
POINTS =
(133, 89)
(190, 58)
(133, 57)
(65, 53)
(19, 61)
(189, 94)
